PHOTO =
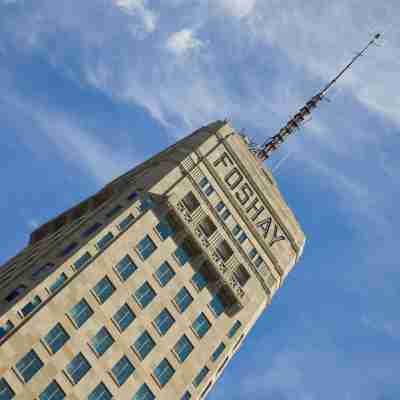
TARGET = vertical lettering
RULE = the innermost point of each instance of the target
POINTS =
(265, 224)
(247, 193)
(258, 211)
(222, 159)
(275, 237)
(237, 178)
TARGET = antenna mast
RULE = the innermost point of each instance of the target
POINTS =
(295, 123)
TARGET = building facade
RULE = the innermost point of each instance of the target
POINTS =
(147, 289)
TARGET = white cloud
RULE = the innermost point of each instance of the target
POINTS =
(183, 41)
(238, 8)
(139, 8)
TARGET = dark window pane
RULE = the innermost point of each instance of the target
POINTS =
(80, 313)
(216, 306)
(186, 396)
(144, 344)
(146, 247)
(207, 226)
(52, 392)
(102, 341)
(6, 393)
(163, 372)
(181, 256)
(58, 283)
(183, 299)
(236, 326)
(31, 306)
(104, 289)
(68, 249)
(133, 196)
(77, 368)
(105, 240)
(224, 250)
(126, 222)
(114, 211)
(164, 321)
(241, 274)
(43, 270)
(82, 260)
(253, 253)
(164, 230)
(201, 325)
(200, 376)
(92, 229)
(100, 392)
(56, 338)
(15, 293)
(122, 370)
(125, 268)
(218, 351)
(144, 393)
(199, 281)
(164, 273)
(29, 365)
(145, 294)
(190, 201)
(183, 348)
(5, 328)
(124, 317)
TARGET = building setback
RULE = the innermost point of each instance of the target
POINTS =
(147, 289)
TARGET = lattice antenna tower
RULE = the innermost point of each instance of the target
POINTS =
(298, 120)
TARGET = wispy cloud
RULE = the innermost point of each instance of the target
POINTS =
(183, 41)
(140, 9)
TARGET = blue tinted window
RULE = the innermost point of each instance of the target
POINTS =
(77, 368)
(242, 237)
(145, 294)
(52, 392)
(236, 326)
(181, 256)
(258, 261)
(104, 289)
(252, 253)
(183, 299)
(203, 183)
(164, 230)
(220, 206)
(208, 190)
(114, 211)
(82, 260)
(225, 215)
(122, 370)
(200, 376)
(164, 321)
(164, 273)
(29, 365)
(145, 204)
(80, 313)
(100, 392)
(56, 338)
(58, 283)
(199, 281)
(68, 249)
(126, 222)
(201, 325)
(125, 268)
(105, 240)
(186, 396)
(92, 229)
(133, 196)
(183, 348)
(216, 306)
(6, 327)
(6, 393)
(44, 269)
(163, 372)
(15, 293)
(146, 247)
(124, 317)
(144, 393)
(144, 344)
(218, 351)
(236, 230)
(29, 307)
(102, 341)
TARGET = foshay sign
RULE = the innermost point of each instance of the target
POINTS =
(248, 199)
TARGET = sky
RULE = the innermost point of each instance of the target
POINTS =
(89, 89)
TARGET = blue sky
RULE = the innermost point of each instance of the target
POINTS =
(90, 89)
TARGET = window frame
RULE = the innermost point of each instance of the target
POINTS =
(87, 307)
(123, 328)
(97, 296)
(151, 244)
(200, 336)
(119, 382)
(82, 360)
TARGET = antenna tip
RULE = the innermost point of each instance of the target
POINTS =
(377, 36)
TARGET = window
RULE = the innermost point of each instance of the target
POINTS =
(241, 274)
(200, 376)
(206, 186)
(258, 262)
(224, 250)
(5, 328)
(29, 365)
(164, 321)
(126, 222)
(225, 214)
(145, 294)
(146, 247)
(164, 273)
(216, 306)
(92, 229)
(181, 256)
(201, 325)
(103, 289)
(133, 196)
(105, 240)
(68, 249)
(101, 342)
(242, 237)
(56, 338)
(52, 392)
(6, 393)
(190, 201)
(100, 392)
(236, 230)
(164, 230)
(114, 211)
(30, 307)
(183, 348)
(220, 206)
(80, 313)
(253, 253)
(144, 393)
(207, 226)
(218, 351)
(43, 270)
(125, 268)
(183, 299)
(77, 368)
(82, 261)
(58, 282)
(124, 317)
(199, 281)
(145, 204)
(122, 370)
(15, 293)
(143, 345)
(186, 396)
(163, 372)
(236, 326)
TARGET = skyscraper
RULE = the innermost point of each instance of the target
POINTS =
(147, 289)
